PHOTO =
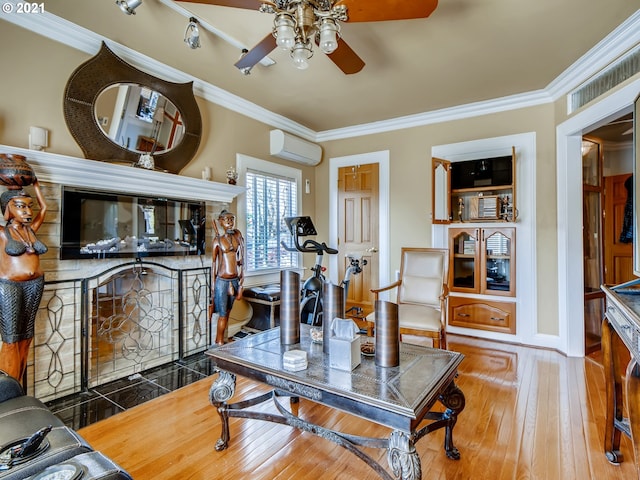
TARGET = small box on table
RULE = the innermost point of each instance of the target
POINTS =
(294, 360)
(344, 354)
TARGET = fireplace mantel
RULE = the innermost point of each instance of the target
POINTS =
(80, 172)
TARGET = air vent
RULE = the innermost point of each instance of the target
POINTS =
(617, 72)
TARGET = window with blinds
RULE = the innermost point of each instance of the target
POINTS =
(269, 198)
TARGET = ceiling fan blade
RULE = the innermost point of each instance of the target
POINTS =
(346, 59)
(247, 4)
(257, 53)
(381, 10)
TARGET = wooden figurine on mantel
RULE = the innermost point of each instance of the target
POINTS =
(227, 271)
(21, 277)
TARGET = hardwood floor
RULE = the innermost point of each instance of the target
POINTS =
(530, 414)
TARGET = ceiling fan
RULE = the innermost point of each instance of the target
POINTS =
(300, 23)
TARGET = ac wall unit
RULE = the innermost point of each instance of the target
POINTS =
(290, 147)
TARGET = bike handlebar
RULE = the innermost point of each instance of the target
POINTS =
(309, 246)
(302, 227)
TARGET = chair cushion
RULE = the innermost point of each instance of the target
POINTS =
(422, 290)
(24, 415)
(239, 316)
(416, 317)
(269, 293)
(64, 444)
(9, 387)
(94, 464)
(419, 317)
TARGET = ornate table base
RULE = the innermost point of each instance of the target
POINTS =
(402, 457)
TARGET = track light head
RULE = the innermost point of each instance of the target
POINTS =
(129, 6)
(192, 34)
(245, 70)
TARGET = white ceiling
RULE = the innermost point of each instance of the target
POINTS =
(467, 51)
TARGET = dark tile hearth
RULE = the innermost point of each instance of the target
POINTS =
(101, 402)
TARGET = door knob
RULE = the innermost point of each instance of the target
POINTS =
(372, 250)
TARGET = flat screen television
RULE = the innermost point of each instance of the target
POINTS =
(485, 172)
(115, 225)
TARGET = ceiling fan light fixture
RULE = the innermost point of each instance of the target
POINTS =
(329, 35)
(284, 31)
(301, 53)
(129, 6)
(192, 34)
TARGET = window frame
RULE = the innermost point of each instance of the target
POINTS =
(244, 163)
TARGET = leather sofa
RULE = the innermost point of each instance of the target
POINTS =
(62, 450)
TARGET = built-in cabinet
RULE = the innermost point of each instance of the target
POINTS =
(481, 190)
(477, 200)
(482, 262)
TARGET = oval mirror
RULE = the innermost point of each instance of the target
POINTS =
(138, 118)
(84, 114)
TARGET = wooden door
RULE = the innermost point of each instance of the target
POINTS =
(358, 230)
(618, 255)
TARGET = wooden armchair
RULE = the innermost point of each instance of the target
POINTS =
(422, 293)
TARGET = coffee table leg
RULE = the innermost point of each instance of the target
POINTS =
(402, 457)
(222, 390)
(454, 400)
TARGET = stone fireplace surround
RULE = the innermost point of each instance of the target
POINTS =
(166, 296)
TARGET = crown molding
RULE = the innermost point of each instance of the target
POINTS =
(512, 102)
(624, 37)
(618, 146)
(60, 30)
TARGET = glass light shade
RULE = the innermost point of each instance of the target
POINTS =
(328, 36)
(192, 36)
(301, 54)
(284, 31)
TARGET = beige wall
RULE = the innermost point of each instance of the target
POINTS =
(34, 75)
(36, 70)
(410, 186)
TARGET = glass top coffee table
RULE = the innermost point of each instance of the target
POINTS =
(400, 398)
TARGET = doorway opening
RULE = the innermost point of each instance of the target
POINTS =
(607, 167)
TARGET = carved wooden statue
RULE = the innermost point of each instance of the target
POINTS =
(21, 277)
(227, 271)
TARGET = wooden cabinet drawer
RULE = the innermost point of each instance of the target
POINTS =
(482, 314)
(624, 327)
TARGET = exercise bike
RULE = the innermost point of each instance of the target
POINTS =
(311, 298)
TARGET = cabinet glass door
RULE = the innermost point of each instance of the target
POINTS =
(464, 245)
(497, 269)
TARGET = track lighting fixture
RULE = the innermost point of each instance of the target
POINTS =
(245, 70)
(129, 6)
(192, 34)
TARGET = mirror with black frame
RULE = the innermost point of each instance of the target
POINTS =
(159, 107)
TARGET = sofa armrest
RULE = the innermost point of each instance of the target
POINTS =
(9, 387)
